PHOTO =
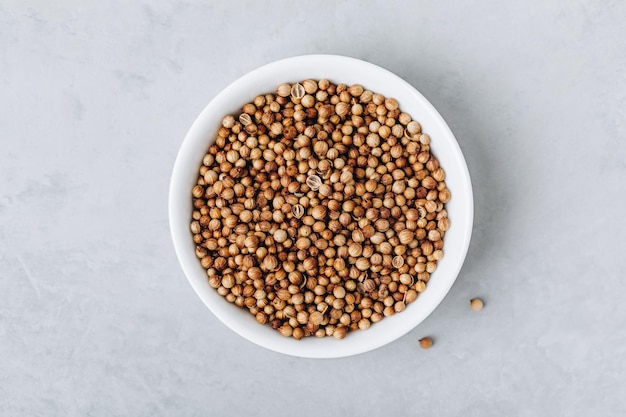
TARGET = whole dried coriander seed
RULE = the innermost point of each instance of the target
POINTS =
(426, 342)
(320, 209)
(476, 304)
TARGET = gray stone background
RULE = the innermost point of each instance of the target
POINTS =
(96, 317)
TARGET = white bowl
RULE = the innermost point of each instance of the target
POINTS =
(338, 69)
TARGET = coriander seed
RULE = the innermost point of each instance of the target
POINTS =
(476, 304)
(298, 211)
(245, 119)
(426, 342)
(398, 262)
(297, 91)
(314, 182)
(339, 333)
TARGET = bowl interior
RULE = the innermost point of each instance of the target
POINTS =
(339, 70)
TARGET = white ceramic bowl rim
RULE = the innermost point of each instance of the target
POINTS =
(338, 69)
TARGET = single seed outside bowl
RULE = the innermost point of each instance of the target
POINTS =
(476, 304)
(426, 342)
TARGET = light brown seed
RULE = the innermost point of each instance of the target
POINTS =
(245, 119)
(362, 264)
(444, 195)
(297, 211)
(355, 250)
(358, 236)
(399, 306)
(476, 304)
(369, 285)
(314, 182)
(325, 190)
(342, 109)
(414, 128)
(410, 296)
(319, 212)
(283, 90)
(316, 318)
(270, 263)
(426, 342)
(310, 86)
(303, 243)
(382, 225)
(364, 324)
(434, 235)
(254, 273)
(407, 279)
(397, 262)
(340, 333)
(406, 236)
(297, 91)
(355, 90)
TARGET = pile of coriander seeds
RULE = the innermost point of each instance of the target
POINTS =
(320, 209)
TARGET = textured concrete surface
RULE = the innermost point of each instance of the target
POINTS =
(96, 317)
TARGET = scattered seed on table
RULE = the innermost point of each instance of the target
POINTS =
(426, 342)
(476, 304)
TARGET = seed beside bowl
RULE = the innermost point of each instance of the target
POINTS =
(426, 342)
(476, 304)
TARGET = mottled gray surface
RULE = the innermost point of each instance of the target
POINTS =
(96, 317)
